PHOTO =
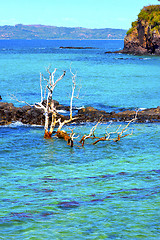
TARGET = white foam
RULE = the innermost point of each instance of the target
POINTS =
(16, 124)
(20, 124)
(79, 107)
(146, 58)
(61, 111)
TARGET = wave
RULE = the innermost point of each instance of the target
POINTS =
(78, 108)
(20, 124)
(145, 58)
(62, 111)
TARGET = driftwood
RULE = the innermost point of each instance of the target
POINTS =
(117, 135)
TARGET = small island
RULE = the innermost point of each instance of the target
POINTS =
(143, 38)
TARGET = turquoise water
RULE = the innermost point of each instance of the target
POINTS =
(106, 191)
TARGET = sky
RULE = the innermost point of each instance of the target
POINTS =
(117, 14)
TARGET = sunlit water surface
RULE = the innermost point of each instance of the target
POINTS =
(106, 191)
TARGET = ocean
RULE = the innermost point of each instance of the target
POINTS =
(106, 191)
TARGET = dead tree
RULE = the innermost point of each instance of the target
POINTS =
(49, 109)
(61, 133)
(114, 136)
(91, 135)
(48, 104)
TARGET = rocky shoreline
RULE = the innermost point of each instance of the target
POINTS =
(33, 116)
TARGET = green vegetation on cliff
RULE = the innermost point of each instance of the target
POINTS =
(149, 15)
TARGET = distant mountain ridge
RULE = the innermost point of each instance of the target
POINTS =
(21, 31)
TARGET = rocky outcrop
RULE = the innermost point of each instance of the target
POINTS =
(31, 115)
(143, 37)
(26, 114)
(91, 114)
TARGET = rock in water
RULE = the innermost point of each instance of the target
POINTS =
(143, 37)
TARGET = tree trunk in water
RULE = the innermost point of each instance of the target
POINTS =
(62, 134)
(47, 134)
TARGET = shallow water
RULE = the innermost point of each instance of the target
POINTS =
(108, 81)
(107, 191)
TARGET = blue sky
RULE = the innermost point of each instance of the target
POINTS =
(72, 13)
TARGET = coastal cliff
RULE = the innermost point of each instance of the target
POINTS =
(143, 37)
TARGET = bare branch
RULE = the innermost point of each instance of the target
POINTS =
(61, 124)
(72, 135)
(100, 139)
(50, 75)
(91, 134)
(73, 89)
(13, 97)
(119, 134)
(53, 74)
(41, 87)
(53, 85)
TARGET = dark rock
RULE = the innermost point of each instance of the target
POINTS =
(120, 51)
(76, 47)
(87, 110)
(26, 108)
(32, 115)
(91, 114)
(56, 103)
(62, 107)
(144, 36)
(6, 105)
(109, 52)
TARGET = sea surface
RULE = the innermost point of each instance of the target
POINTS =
(106, 191)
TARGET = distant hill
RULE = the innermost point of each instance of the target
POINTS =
(20, 31)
